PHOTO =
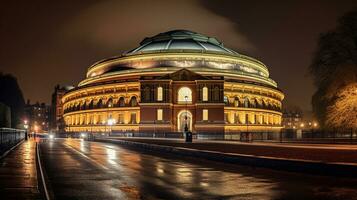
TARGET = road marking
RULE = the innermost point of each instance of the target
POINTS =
(44, 182)
(87, 157)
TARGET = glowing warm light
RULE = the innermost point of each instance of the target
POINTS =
(315, 124)
(184, 94)
(36, 128)
(302, 125)
(111, 122)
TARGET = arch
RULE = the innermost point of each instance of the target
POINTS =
(256, 103)
(159, 96)
(264, 104)
(246, 102)
(183, 93)
(109, 103)
(236, 102)
(78, 106)
(84, 105)
(133, 101)
(121, 102)
(181, 120)
(90, 105)
(204, 93)
(100, 103)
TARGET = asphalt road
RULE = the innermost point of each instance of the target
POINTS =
(78, 169)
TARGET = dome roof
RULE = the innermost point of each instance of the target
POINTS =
(181, 40)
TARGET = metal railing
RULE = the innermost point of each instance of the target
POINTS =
(10, 137)
(304, 136)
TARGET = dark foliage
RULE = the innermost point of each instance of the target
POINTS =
(335, 64)
(11, 95)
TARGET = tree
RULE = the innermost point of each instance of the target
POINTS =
(11, 95)
(343, 113)
(334, 70)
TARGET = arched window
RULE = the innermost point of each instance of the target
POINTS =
(78, 106)
(159, 94)
(84, 106)
(246, 102)
(121, 102)
(255, 103)
(204, 94)
(263, 104)
(100, 104)
(236, 102)
(184, 94)
(110, 103)
(133, 102)
(90, 106)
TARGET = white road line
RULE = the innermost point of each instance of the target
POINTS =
(88, 158)
(42, 174)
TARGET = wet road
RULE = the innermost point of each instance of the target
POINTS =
(78, 169)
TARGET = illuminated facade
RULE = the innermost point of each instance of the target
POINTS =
(173, 79)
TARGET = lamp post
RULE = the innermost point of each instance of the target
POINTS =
(26, 126)
(186, 123)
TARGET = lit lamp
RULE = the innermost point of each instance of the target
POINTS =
(302, 125)
(26, 126)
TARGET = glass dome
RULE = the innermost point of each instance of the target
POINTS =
(181, 40)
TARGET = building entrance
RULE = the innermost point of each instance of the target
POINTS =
(184, 117)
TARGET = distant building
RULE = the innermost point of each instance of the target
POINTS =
(56, 112)
(37, 116)
(292, 119)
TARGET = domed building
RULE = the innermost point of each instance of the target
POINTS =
(172, 80)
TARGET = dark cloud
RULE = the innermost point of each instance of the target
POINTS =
(44, 43)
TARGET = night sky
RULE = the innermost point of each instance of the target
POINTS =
(44, 43)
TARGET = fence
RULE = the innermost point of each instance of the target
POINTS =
(285, 135)
(9, 138)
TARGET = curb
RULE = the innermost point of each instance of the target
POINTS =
(12, 148)
(291, 165)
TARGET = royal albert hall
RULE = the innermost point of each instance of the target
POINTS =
(172, 80)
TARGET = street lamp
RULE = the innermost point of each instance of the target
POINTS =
(186, 123)
(26, 126)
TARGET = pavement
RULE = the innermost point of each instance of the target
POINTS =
(18, 176)
(327, 153)
(78, 169)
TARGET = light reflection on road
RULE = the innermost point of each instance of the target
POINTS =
(136, 175)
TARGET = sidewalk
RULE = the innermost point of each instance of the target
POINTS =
(18, 176)
(321, 153)
(318, 160)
